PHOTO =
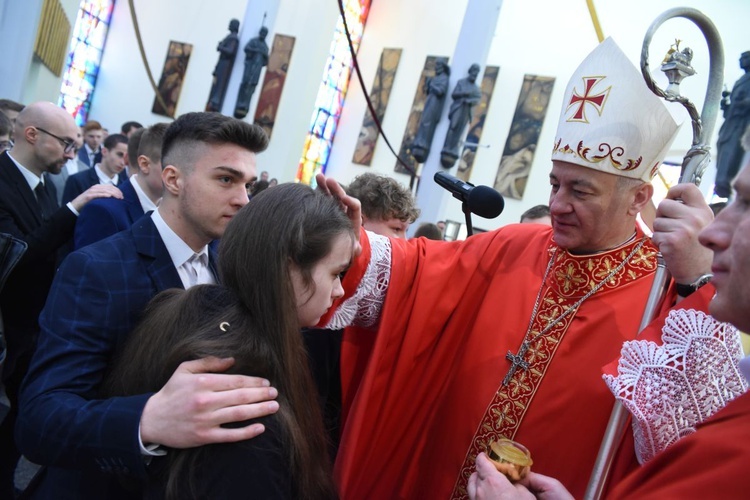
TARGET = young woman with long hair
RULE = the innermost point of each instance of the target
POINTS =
(280, 262)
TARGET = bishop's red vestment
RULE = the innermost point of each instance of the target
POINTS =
(424, 394)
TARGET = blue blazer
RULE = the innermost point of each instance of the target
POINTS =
(81, 181)
(107, 216)
(96, 299)
(83, 155)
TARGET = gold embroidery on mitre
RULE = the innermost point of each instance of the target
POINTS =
(504, 415)
(607, 152)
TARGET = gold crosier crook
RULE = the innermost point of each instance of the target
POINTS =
(693, 165)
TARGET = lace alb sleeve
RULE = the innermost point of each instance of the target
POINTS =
(672, 387)
(363, 308)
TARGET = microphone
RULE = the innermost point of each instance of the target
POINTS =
(481, 200)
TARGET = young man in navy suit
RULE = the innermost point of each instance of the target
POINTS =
(140, 194)
(44, 141)
(111, 169)
(95, 301)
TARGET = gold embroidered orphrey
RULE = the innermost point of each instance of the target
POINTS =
(572, 277)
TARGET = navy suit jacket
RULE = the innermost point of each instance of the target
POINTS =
(104, 217)
(83, 155)
(23, 296)
(96, 299)
(81, 181)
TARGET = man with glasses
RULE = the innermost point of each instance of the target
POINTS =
(44, 141)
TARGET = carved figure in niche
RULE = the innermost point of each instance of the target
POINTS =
(465, 96)
(435, 88)
(736, 108)
(256, 57)
(227, 51)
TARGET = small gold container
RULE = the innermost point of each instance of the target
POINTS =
(511, 458)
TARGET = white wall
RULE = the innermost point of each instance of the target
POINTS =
(543, 37)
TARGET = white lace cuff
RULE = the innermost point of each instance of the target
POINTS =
(363, 308)
(670, 388)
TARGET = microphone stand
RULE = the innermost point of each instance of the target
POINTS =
(467, 213)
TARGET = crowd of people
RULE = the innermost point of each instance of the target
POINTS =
(178, 326)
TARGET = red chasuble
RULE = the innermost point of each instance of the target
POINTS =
(710, 463)
(424, 394)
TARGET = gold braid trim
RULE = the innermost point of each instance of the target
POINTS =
(571, 277)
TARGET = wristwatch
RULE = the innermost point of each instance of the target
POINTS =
(686, 290)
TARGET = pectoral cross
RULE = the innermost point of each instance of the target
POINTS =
(517, 362)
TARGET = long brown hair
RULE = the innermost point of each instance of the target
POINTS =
(290, 224)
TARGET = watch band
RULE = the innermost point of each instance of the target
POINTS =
(684, 290)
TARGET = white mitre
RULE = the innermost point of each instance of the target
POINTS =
(610, 120)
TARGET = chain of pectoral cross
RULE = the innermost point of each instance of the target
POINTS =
(517, 361)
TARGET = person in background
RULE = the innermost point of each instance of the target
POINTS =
(111, 169)
(387, 207)
(93, 136)
(128, 128)
(429, 230)
(45, 140)
(134, 141)
(140, 193)
(11, 109)
(6, 131)
(537, 215)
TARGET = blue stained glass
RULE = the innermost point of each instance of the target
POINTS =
(332, 91)
(84, 57)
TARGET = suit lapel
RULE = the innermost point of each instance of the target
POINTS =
(19, 187)
(151, 248)
(212, 259)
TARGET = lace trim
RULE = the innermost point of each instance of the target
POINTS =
(671, 388)
(363, 308)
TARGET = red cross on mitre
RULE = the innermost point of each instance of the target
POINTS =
(597, 100)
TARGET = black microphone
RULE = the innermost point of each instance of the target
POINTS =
(481, 200)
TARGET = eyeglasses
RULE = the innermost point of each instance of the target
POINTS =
(68, 145)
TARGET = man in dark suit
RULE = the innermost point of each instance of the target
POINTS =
(44, 136)
(108, 171)
(93, 135)
(96, 299)
(140, 194)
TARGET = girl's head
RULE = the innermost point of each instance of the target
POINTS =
(284, 252)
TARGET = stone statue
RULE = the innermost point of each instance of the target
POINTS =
(227, 51)
(736, 108)
(435, 87)
(256, 57)
(465, 96)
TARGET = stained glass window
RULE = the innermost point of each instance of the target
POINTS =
(84, 57)
(332, 92)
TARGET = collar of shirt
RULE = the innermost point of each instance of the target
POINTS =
(30, 176)
(146, 203)
(178, 250)
(103, 179)
(745, 367)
